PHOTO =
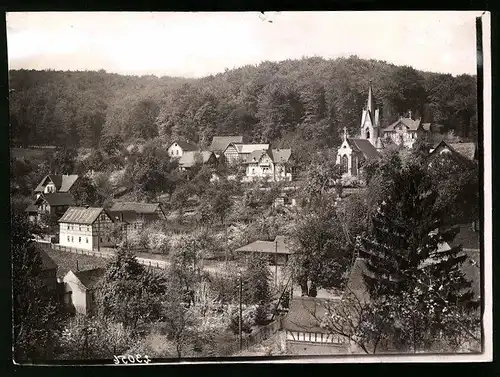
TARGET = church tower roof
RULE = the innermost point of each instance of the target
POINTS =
(370, 105)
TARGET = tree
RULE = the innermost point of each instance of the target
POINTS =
(323, 175)
(112, 144)
(419, 282)
(63, 161)
(129, 292)
(257, 290)
(322, 255)
(37, 315)
(86, 193)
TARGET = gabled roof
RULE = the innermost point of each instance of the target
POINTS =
(131, 211)
(81, 215)
(410, 124)
(135, 207)
(281, 155)
(57, 199)
(62, 182)
(464, 150)
(256, 155)
(185, 146)
(302, 313)
(219, 143)
(90, 278)
(356, 282)
(279, 245)
(468, 150)
(31, 208)
(365, 147)
(47, 262)
(188, 159)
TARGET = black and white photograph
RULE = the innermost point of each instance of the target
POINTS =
(250, 186)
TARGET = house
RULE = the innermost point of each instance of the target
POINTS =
(353, 153)
(80, 290)
(189, 159)
(53, 195)
(305, 335)
(178, 148)
(86, 228)
(219, 143)
(272, 164)
(239, 152)
(461, 151)
(277, 251)
(53, 203)
(134, 216)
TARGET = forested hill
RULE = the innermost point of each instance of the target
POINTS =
(306, 101)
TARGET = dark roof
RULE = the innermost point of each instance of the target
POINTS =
(219, 143)
(433, 127)
(62, 182)
(411, 124)
(466, 237)
(356, 282)
(279, 245)
(135, 207)
(365, 147)
(47, 262)
(81, 215)
(90, 278)
(57, 198)
(467, 150)
(188, 159)
(302, 313)
(31, 208)
(281, 155)
(186, 147)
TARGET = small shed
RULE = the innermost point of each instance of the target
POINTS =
(277, 251)
(80, 289)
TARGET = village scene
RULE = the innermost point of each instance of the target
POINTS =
(302, 207)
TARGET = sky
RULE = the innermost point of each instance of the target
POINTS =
(197, 44)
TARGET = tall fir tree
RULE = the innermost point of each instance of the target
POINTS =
(409, 267)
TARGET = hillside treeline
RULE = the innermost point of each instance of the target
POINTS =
(304, 102)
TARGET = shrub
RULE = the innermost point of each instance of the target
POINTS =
(248, 318)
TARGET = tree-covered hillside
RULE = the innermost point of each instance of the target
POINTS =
(296, 103)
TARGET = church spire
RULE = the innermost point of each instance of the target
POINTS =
(369, 103)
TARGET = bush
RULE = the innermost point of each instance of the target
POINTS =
(349, 181)
(248, 318)
(261, 314)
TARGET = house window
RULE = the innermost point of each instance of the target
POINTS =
(177, 152)
(100, 239)
(68, 238)
(68, 226)
(71, 238)
(80, 228)
(86, 240)
(79, 239)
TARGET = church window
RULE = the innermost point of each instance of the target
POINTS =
(344, 164)
(367, 133)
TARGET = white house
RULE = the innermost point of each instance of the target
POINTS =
(80, 288)
(178, 148)
(269, 163)
(86, 228)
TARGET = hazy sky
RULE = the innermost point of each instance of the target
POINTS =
(199, 44)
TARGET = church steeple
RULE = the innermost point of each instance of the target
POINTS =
(370, 106)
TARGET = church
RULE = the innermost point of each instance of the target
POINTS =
(353, 152)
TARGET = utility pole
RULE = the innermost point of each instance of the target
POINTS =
(276, 263)
(240, 314)
(98, 233)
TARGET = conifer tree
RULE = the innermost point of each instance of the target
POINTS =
(419, 281)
